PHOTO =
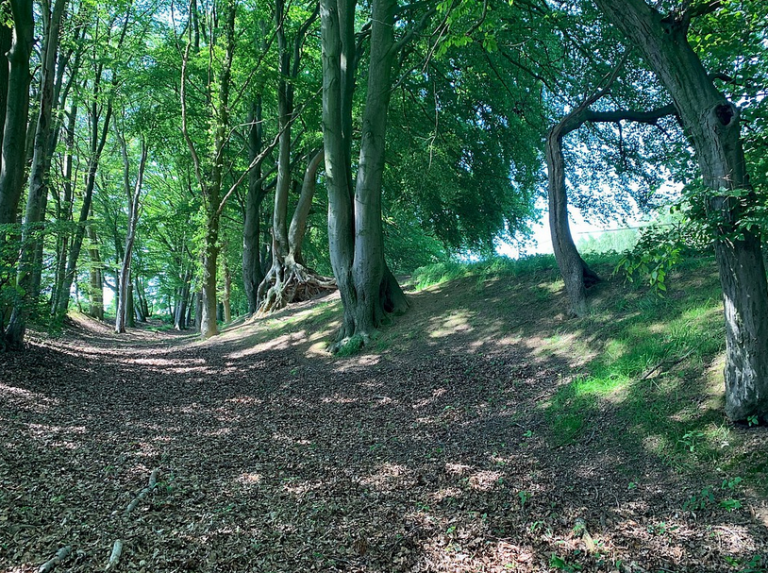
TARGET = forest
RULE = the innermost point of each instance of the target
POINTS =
(253, 315)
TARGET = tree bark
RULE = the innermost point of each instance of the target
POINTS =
(298, 227)
(64, 211)
(368, 289)
(96, 290)
(713, 125)
(210, 182)
(17, 111)
(577, 275)
(30, 261)
(227, 295)
(97, 146)
(133, 219)
(252, 273)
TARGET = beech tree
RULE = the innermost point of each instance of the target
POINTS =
(713, 125)
(14, 87)
(369, 290)
(288, 279)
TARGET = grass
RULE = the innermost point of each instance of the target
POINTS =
(651, 361)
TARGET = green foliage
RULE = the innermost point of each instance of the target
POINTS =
(482, 270)
(608, 242)
(701, 500)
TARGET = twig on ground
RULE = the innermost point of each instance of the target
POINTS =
(60, 556)
(667, 364)
(117, 551)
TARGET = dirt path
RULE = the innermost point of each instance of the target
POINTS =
(272, 456)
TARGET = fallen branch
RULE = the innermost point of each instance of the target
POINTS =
(117, 551)
(143, 493)
(667, 364)
(60, 556)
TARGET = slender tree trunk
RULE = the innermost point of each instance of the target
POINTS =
(180, 319)
(65, 214)
(97, 146)
(226, 299)
(6, 37)
(572, 267)
(576, 274)
(298, 226)
(252, 273)
(133, 219)
(96, 291)
(713, 124)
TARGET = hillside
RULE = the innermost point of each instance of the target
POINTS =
(483, 431)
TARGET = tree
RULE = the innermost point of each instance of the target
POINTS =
(15, 90)
(288, 280)
(713, 125)
(369, 290)
(134, 197)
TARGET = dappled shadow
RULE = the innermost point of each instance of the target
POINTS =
(448, 447)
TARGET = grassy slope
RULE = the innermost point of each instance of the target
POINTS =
(651, 364)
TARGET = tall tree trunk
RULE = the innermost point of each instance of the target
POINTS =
(368, 289)
(31, 260)
(97, 146)
(64, 214)
(288, 280)
(15, 92)
(32, 240)
(133, 219)
(17, 111)
(226, 299)
(211, 182)
(96, 291)
(252, 273)
(713, 124)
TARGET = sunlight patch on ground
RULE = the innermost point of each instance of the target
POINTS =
(457, 469)
(249, 479)
(339, 399)
(388, 477)
(437, 393)
(485, 480)
(21, 397)
(279, 343)
(446, 493)
(362, 361)
(456, 322)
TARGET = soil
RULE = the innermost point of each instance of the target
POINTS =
(429, 453)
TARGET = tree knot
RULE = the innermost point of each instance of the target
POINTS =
(725, 113)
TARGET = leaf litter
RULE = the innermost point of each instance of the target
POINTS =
(155, 452)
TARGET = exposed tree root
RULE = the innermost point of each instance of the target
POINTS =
(289, 284)
(143, 493)
(60, 556)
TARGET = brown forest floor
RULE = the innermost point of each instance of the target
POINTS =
(430, 453)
